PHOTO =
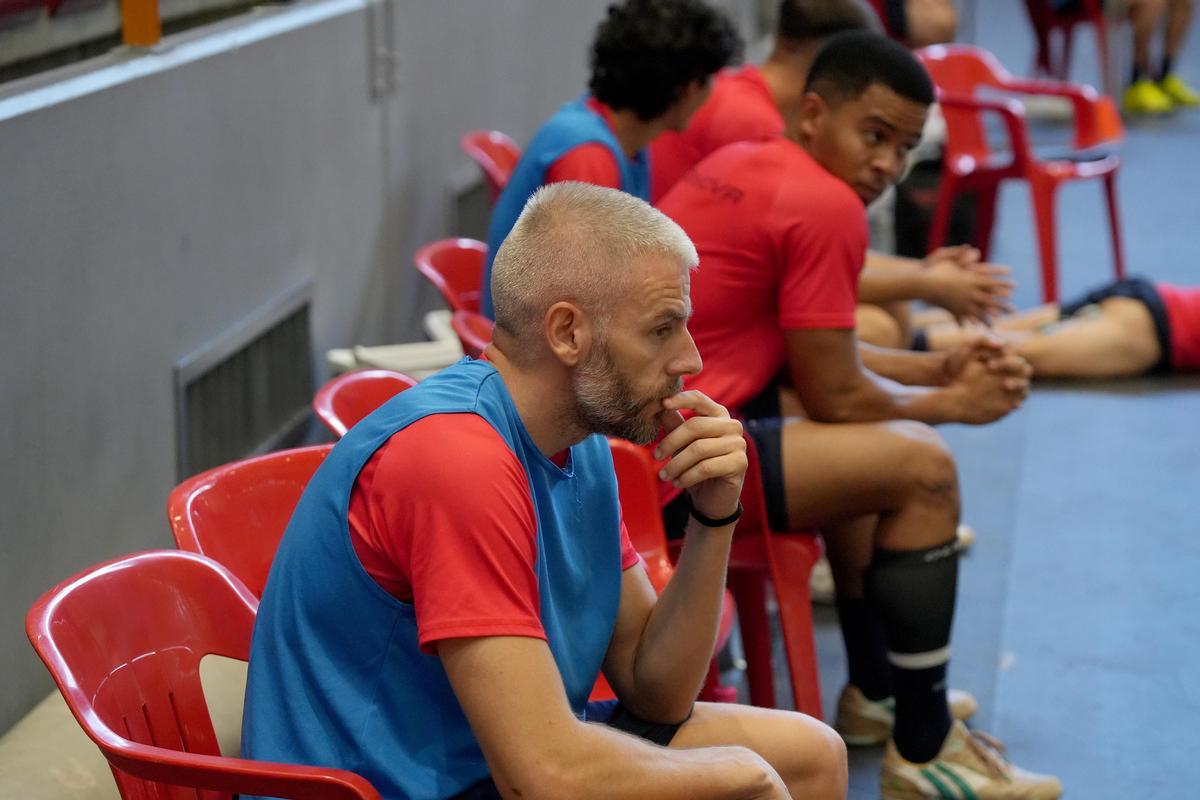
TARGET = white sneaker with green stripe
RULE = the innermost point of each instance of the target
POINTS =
(969, 767)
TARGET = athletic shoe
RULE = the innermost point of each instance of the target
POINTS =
(1180, 93)
(969, 767)
(820, 583)
(964, 536)
(865, 723)
(1145, 97)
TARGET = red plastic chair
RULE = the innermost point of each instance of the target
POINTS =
(638, 488)
(760, 558)
(237, 513)
(123, 641)
(474, 331)
(495, 153)
(349, 397)
(970, 165)
(1048, 21)
(455, 267)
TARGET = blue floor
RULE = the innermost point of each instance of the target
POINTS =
(1078, 622)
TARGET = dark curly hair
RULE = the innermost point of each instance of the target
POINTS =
(646, 51)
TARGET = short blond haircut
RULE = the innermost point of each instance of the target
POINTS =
(575, 242)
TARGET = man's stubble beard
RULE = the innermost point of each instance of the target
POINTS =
(605, 403)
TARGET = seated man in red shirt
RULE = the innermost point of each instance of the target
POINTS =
(1126, 328)
(751, 103)
(781, 231)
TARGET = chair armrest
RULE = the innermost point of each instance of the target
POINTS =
(236, 775)
(1096, 119)
(1012, 112)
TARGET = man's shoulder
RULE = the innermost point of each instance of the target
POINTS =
(459, 447)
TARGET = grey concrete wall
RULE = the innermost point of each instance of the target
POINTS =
(149, 203)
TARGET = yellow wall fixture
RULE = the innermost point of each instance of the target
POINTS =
(140, 24)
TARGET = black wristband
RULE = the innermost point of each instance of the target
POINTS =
(709, 522)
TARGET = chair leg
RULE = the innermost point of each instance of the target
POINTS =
(1064, 67)
(792, 559)
(985, 218)
(1043, 191)
(749, 591)
(1114, 223)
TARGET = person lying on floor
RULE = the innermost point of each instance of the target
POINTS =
(1128, 327)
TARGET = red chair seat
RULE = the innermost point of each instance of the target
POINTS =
(123, 642)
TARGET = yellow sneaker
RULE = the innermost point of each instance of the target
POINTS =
(1145, 97)
(970, 765)
(1180, 93)
(866, 723)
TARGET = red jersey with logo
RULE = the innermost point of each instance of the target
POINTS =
(1183, 320)
(591, 162)
(740, 109)
(781, 244)
(478, 573)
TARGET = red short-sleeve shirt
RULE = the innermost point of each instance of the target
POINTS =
(740, 109)
(1183, 318)
(781, 244)
(456, 535)
(591, 162)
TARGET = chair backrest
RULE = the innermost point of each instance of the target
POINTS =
(495, 153)
(637, 485)
(123, 641)
(962, 70)
(349, 397)
(237, 513)
(455, 267)
(474, 331)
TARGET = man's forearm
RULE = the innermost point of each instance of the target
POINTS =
(676, 646)
(891, 279)
(875, 398)
(904, 366)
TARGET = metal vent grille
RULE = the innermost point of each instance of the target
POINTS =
(249, 391)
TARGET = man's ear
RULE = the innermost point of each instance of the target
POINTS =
(568, 332)
(810, 116)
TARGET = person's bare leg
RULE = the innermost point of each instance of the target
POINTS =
(1011, 328)
(901, 470)
(806, 753)
(1144, 15)
(876, 326)
(1179, 16)
(1117, 342)
(931, 22)
(901, 476)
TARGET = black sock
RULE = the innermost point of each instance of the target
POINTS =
(866, 647)
(1166, 67)
(914, 592)
(1139, 72)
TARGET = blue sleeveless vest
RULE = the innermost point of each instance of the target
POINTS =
(336, 677)
(574, 124)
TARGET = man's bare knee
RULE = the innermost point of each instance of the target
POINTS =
(824, 771)
(929, 470)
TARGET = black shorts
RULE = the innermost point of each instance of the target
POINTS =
(764, 424)
(1135, 288)
(608, 712)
